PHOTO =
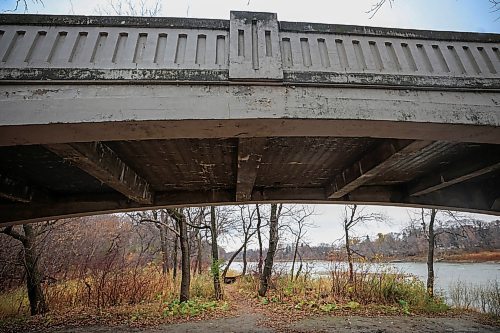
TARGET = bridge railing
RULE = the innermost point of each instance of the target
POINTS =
(113, 48)
(389, 54)
(250, 46)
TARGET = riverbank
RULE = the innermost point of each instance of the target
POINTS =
(251, 314)
(449, 257)
(469, 258)
(321, 291)
(479, 257)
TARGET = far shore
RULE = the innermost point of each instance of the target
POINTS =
(487, 257)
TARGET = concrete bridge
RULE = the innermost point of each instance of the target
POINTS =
(108, 114)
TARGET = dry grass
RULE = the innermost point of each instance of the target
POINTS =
(387, 291)
(482, 256)
(104, 289)
(484, 298)
(137, 298)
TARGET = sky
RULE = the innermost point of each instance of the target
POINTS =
(452, 15)
(455, 15)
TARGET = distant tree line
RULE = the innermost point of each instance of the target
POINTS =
(455, 237)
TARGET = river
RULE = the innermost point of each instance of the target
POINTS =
(446, 273)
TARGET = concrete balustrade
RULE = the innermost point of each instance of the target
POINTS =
(250, 46)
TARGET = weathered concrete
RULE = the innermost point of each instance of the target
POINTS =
(113, 112)
(193, 111)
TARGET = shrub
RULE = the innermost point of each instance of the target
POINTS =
(385, 288)
(484, 298)
(103, 288)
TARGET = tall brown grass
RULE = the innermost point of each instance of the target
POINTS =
(383, 287)
(482, 256)
(103, 288)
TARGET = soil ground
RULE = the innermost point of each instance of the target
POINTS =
(249, 316)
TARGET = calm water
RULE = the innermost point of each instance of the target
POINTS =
(445, 273)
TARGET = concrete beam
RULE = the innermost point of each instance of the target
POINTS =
(459, 172)
(496, 205)
(467, 196)
(372, 164)
(104, 203)
(250, 151)
(15, 190)
(474, 199)
(101, 162)
(85, 113)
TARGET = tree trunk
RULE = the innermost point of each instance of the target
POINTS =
(164, 248)
(259, 238)
(430, 255)
(215, 255)
(175, 253)
(273, 243)
(244, 270)
(295, 257)
(185, 259)
(230, 261)
(164, 242)
(199, 254)
(299, 270)
(36, 297)
(349, 254)
(347, 226)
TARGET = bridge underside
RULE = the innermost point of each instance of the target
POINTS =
(71, 179)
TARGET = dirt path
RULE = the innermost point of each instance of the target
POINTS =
(391, 325)
(252, 318)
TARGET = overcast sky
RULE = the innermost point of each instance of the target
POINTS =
(455, 15)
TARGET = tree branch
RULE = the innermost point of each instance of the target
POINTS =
(376, 7)
(198, 226)
(14, 234)
(158, 222)
(359, 254)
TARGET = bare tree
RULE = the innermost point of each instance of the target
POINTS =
(259, 239)
(181, 222)
(29, 238)
(175, 252)
(376, 7)
(298, 228)
(130, 8)
(271, 251)
(196, 218)
(245, 228)
(432, 227)
(159, 218)
(247, 217)
(431, 238)
(24, 4)
(483, 232)
(219, 220)
(494, 8)
(215, 255)
(354, 216)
